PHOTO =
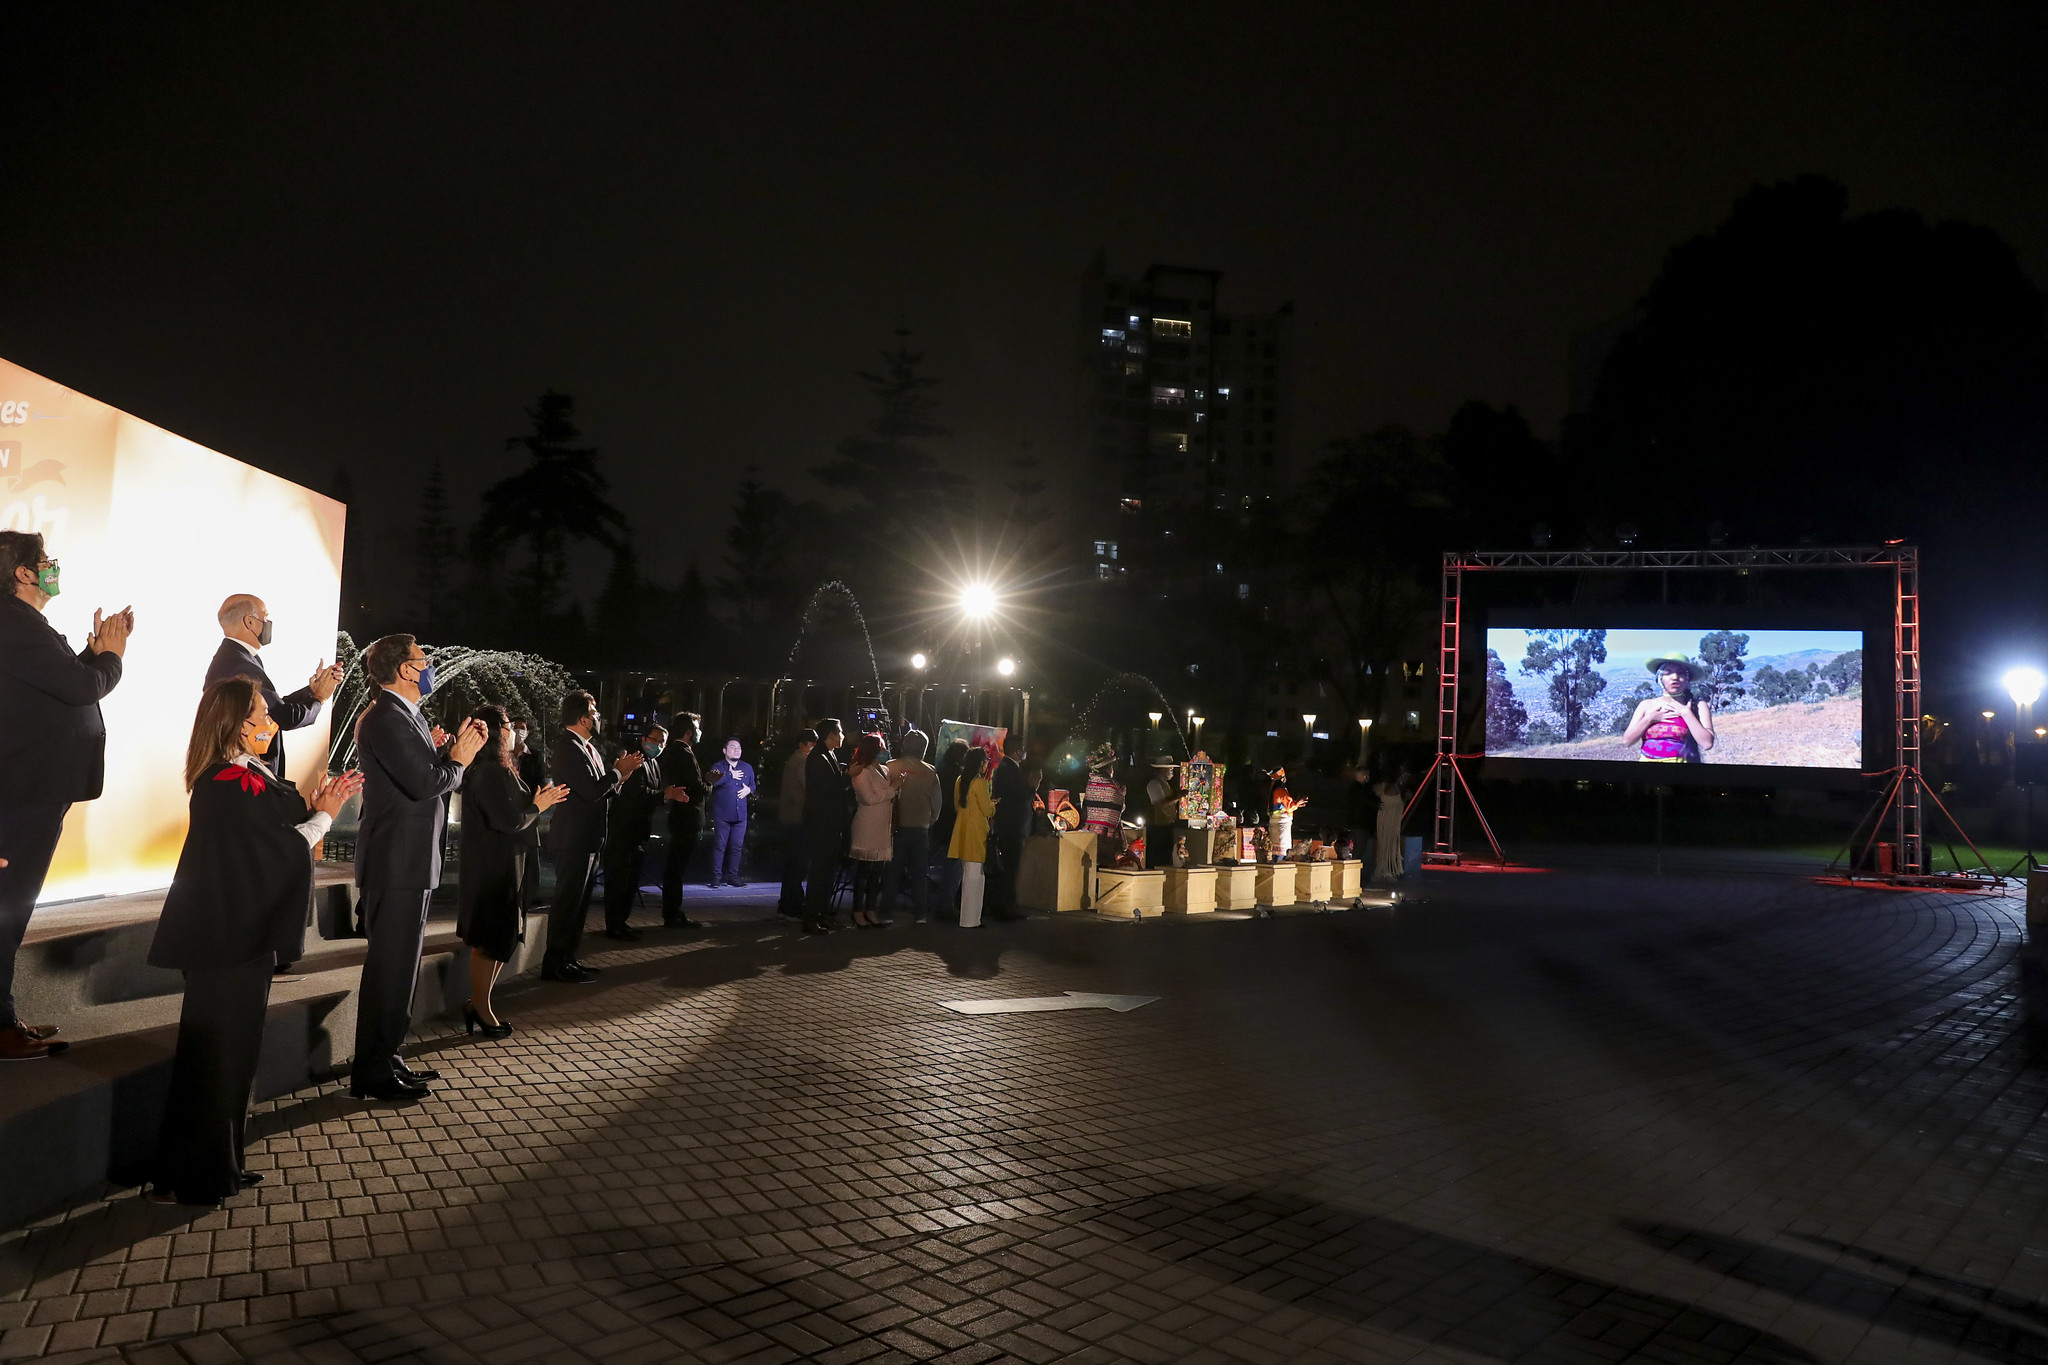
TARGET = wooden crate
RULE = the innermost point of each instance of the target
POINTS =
(1312, 883)
(1347, 880)
(1237, 886)
(1055, 871)
(1276, 883)
(1130, 895)
(1192, 889)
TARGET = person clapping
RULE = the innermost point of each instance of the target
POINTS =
(498, 809)
(237, 901)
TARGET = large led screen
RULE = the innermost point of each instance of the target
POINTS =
(1754, 698)
(140, 516)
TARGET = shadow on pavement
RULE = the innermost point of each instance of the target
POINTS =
(1424, 1285)
(1907, 1299)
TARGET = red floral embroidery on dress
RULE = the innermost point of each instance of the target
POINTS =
(235, 772)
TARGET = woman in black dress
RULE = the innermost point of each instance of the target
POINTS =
(497, 811)
(237, 902)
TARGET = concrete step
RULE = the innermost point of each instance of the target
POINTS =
(92, 1112)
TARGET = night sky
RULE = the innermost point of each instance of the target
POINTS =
(317, 235)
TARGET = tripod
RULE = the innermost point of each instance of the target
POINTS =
(1445, 853)
(1907, 784)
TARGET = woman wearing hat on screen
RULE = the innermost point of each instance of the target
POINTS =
(1672, 725)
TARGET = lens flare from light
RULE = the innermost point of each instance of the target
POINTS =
(918, 661)
(978, 600)
(1006, 666)
(2024, 685)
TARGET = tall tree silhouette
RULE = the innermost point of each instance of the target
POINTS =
(558, 499)
(434, 589)
(759, 583)
(897, 485)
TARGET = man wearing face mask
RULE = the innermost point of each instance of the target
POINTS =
(398, 855)
(632, 825)
(245, 627)
(686, 799)
(576, 833)
(52, 750)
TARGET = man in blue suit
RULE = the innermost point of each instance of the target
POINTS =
(398, 856)
(732, 782)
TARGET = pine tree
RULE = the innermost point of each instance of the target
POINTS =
(434, 560)
(758, 585)
(558, 499)
(896, 482)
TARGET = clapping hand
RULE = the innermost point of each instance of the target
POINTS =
(439, 736)
(110, 633)
(681, 794)
(332, 792)
(324, 680)
(468, 740)
(628, 764)
(550, 796)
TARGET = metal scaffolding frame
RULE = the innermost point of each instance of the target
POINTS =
(1905, 792)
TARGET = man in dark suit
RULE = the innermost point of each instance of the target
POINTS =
(245, 628)
(1012, 792)
(828, 820)
(576, 833)
(398, 856)
(686, 797)
(632, 825)
(52, 750)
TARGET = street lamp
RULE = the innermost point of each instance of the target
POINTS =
(2023, 685)
(978, 601)
(1308, 727)
(1006, 666)
(1364, 734)
(1196, 721)
(919, 662)
(1155, 717)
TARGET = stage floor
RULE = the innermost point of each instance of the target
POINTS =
(1560, 1117)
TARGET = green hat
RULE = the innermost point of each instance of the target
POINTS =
(1656, 662)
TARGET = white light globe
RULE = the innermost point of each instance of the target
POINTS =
(1006, 667)
(918, 661)
(978, 599)
(2024, 685)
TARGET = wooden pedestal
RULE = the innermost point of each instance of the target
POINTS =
(1312, 883)
(1055, 871)
(1276, 883)
(1192, 889)
(1128, 895)
(1347, 879)
(1237, 886)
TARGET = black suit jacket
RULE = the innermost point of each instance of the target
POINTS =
(244, 876)
(1012, 791)
(398, 847)
(53, 743)
(679, 769)
(828, 799)
(295, 712)
(639, 798)
(577, 827)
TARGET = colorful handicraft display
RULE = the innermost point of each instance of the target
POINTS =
(1201, 788)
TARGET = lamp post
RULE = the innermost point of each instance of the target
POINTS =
(1308, 732)
(1364, 734)
(2023, 685)
(1196, 721)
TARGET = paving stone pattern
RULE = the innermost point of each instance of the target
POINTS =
(1541, 1117)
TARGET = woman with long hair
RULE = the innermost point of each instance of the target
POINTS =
(872, 846)
(237, 905)
(969, 849)
(1672, 725)
(498, 811)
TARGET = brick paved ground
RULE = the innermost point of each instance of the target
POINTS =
(1540, 1118)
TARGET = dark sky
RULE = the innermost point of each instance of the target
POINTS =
(310, 235)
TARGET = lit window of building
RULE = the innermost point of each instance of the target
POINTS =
(1172, 329)
(1165, 396)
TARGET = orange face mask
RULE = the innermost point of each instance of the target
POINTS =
(258, 741)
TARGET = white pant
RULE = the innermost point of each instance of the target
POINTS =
(971, 885)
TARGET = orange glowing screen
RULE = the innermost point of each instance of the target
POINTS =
(140, 516)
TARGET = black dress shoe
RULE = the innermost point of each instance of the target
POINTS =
(570, 975)
(681, 922)
(391, 1089)
(418, 1075)
(251, 1179)
(816, 929)
(586, 970)
(624, 934)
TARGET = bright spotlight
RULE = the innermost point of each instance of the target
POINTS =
(918, 661)
(2024, 685)
(1006, 666)
(978, 600)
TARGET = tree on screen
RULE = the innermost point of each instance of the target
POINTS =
(1721, 652)
(1775, 687)
(1506, 718)
(1568, 657)
(1844, 671)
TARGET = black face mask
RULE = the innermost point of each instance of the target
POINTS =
(263, 635)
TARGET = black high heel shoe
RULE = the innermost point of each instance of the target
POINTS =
(472, 1022)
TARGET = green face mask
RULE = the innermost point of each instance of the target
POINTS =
(46, 580)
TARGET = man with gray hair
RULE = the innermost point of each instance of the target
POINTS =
(918, 803)
(245, 628)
